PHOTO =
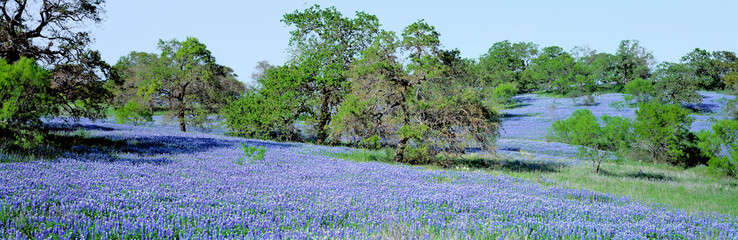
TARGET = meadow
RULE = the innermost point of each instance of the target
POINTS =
(154, 182)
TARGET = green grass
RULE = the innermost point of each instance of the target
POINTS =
(692, 190)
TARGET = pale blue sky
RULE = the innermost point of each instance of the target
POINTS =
(241, 33)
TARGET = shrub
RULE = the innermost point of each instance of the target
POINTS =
(731, 108)
(639, 89)
(663, 132)
(371, 143)
(255, 116)
(582, 128)
(25, 97)
(252, 153)
(505, 92)
(721, 146)
(133, 113)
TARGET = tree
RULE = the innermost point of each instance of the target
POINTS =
(326, 42)
(702, 65)
(184, 79)
(49, 32)
(663, 132)
(676, 83)
(505, 62)
(639, 89)
(601, 65)
(25, 97)
(270, 112)
(633, 61)
(127, 75)
(582, 128)
(557, 71)
(726, 64)
(260, 70)
(721, 146)
(403, 93)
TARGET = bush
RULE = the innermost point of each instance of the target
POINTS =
(25, 97)
(663, 132)
(133, 113)
(582, 128)
(252, 153)
(721, 146)
(371, 143)
(505, 92)
(639, 89)
(255, 116)
(731, 108)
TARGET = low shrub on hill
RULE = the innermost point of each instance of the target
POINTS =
(613, 134)
(663, 132)
(721, 146)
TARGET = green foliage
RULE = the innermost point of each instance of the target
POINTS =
(271, 112)
(730, 108)
(556, 71)
(50, 33)
(132, 113)
(505, 62)
(676, 83)
(252, 153)
(325, 43)
(613, 134)
(371, 143)
(25, 97)
(639, 89)
(409, 92)
(505, 92)
(581, 128)
(721, 146)
(702, 65)
(725, 65)
(617, 133)
(184, 79)
(663, 132)
(633, 61)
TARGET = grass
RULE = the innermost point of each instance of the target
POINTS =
(691, 190)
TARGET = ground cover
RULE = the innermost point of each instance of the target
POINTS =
(156, 182)
(165, 184)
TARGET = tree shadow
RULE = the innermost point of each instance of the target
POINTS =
(517, 104)
(513, 116)
(510, 165)
(701, 107)
(639, 175)
(68, 142)
(66, 127)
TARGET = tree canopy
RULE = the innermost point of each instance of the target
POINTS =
(184, 79)
(52, 33)
(403, 93)
(324, 42)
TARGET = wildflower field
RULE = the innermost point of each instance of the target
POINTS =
(158, 183)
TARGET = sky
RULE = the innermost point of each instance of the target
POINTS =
(241, 33)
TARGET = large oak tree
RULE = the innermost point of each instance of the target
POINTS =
(325, 43)
(53, 33)
(183, 79)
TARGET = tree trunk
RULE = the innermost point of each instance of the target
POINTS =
(324, 117)
(181, 116)
(400, 151)
(599, 161)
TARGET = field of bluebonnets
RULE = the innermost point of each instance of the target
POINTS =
(159, 183)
